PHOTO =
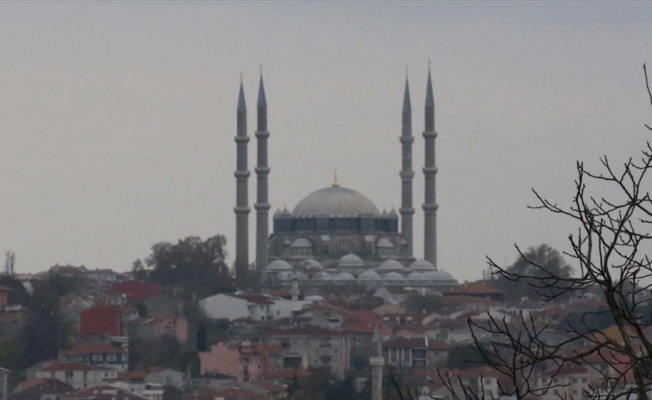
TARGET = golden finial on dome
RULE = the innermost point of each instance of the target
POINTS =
(335, 182)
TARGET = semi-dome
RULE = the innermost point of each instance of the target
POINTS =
(310, 265)
(322, 276)
(415, 276)
(301, 243)
(344, 276)
(298, 275)
(284, 276)
(390, 265)
(350, 260)
(279, 265)
(439, 276)
(384, 243)
(369, 275)
(335, 200)
(422, 265)
(393, 276)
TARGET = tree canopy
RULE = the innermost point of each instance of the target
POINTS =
(193, 265)
(531, 274)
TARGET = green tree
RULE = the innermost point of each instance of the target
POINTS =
(611, 210)
(535, 274)
(193, 265)
(418, 304)
(464, 356)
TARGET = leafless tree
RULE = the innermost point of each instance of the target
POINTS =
(612, 210)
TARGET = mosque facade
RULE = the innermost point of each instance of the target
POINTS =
(336, 236)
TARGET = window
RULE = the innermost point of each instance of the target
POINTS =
(97, 357)
(111, 357)
(393, 355)
(585, 380)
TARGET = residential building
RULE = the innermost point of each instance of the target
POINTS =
(41, 389)
(319, 347)
(99, 355)
(77, 375)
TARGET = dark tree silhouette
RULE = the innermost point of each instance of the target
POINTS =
(612, 211)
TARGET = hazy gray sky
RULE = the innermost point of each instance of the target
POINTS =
(117, 118)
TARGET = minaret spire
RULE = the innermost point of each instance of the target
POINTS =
(262, 172)
(407, 174)
(430, 171)
(376, 361)
(242, 197)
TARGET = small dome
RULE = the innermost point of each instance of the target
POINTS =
(350, 260)
(301, 243)
(384, 243)
(390, 265)
(298, 275)
(285, 276)
(322, 276)
(311, 265)
(422, 265)
(369, 275)
(415, 276)
(393, 276)
(335, 200)
(344, 276)
(439, 276)
(279, 265)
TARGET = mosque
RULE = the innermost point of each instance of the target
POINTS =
(336, 236)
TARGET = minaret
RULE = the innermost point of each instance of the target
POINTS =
(376, 362)
(406, 174)
(262, 171)
(430, 171)
(242, 201)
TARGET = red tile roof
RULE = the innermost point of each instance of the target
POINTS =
(136, 291)
(103, 393)
(237, 393)
(254, 298)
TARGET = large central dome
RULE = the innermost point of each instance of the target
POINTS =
(335, 200)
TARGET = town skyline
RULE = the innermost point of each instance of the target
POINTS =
(119, 118)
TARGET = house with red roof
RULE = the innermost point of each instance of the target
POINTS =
(41, 389)
(103, 392)
(134, 291)
(99, 355)
(105, 320)
(242, 360)
(318, 347)
(236, 393)
(476, 289)
(567, 381)
(77, 375)
(160, 325)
